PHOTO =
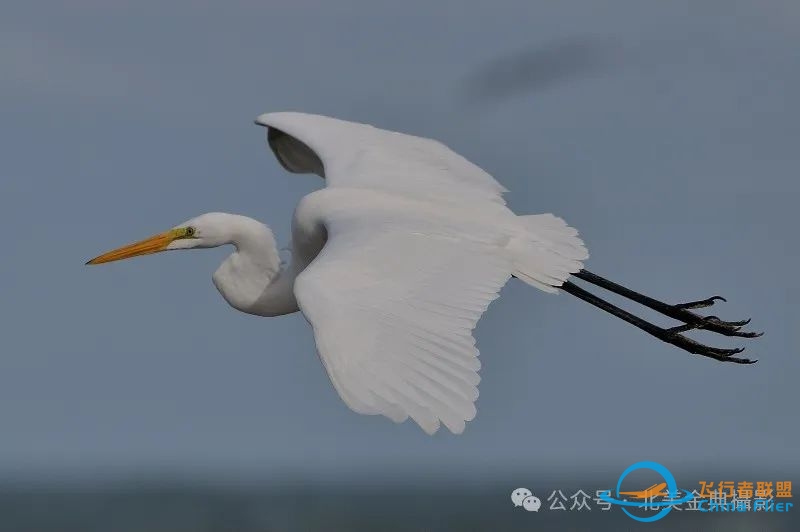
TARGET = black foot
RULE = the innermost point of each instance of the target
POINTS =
(709, 323)
(724, 355)
(713, 323)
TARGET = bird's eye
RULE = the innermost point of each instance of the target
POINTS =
(190, 231)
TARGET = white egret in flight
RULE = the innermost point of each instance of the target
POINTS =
(395, 260)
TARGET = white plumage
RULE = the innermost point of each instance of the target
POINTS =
(362, 156)
(419, 242)
(393, 263)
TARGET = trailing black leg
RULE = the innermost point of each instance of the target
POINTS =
(671, 336)
(679, 311)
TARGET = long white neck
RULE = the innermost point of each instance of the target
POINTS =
(251, 279)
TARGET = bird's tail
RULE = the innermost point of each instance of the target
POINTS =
(547, 251)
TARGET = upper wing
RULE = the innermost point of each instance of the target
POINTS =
(393, 313)
(349, 154)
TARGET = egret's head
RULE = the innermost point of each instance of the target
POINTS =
(206, 231)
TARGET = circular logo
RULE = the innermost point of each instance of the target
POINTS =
(666, 506)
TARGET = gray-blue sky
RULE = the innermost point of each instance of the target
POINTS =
(679, 166)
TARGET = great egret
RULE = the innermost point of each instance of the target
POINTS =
(394, 262)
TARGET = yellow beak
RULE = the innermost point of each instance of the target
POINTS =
(154, 244)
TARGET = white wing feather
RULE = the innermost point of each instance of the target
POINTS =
(349, 154)
(394, 294)
(393, 314)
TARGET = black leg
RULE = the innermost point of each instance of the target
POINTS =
(671, 336)
(679, 312)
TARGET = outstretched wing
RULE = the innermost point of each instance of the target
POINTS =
(393, 310)
(349, 154)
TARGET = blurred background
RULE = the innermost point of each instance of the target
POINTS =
(133, 398)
